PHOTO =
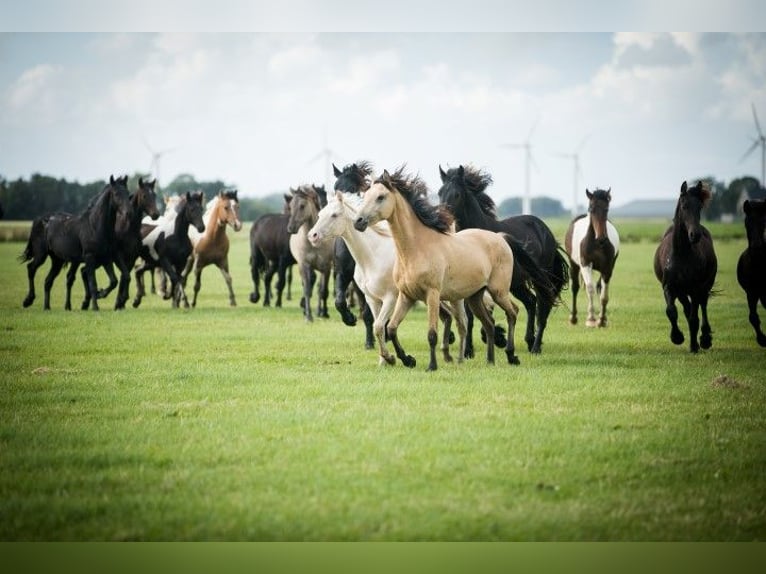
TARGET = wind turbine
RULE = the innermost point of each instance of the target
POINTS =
(526, 201)
(575, 155)
(326, 155)
(154, 166)
(759, 141)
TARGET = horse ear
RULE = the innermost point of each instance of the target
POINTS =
(746, 206)
(386, 177)
(140, 181)
(288, 197)
(111, 179)
(609, 193)
(683, 188)
(336, 171)
(461, 172)
(188, 196)
(442, 174)
(588, 194)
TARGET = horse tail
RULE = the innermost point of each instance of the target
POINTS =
(559, 270)
(36, 237)
(534, 275)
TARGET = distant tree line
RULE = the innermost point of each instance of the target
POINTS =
(23, 199)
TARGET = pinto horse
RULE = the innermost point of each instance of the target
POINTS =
(463, 191)
(270, 253)
(168, 246)
(213, 245)
(304, 210)
(593, 244)
(87, 238)
(685, 264)
(751, 267)
(435, 264)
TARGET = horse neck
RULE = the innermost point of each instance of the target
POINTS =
(595, 225)
(102, 215)
(181, 224)
(361, 244)
(680, 233)
(406, 229)
(473, 216)
(214, 225)
(136, 214)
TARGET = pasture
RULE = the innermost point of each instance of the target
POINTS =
(247, 423)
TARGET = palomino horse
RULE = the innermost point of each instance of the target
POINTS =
(593, 244)
(270, 253)
(168, 246)
(213, 245)
(685, 264)
(751, 267)
(87, 238)
(434, 264)
(464, 192)
(304, 210)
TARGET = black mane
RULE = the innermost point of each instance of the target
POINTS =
(353, 178)
(476, 181)
(415, 191)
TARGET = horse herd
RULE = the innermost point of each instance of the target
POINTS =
(391, 247)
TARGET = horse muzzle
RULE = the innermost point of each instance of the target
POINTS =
(314, 238)
(694, 236)
(200, 227)
(361, 223)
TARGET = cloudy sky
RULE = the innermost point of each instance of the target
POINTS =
(644, 111)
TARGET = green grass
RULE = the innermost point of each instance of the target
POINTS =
(246, 423)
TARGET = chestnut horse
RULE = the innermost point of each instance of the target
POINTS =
(593, 244)
(212, 246)
(685, 264)
(751, 267)
(435, 264)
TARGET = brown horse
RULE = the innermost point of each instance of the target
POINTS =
(685, 264)
(751, 267)
(304, 212)
(593, 244)
(213, 245)
(435, 264)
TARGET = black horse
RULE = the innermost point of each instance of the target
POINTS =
(685, 264)
(270, 253)
(87, 238)
(128, 243)
(169, 247)
(353, 179)
(463, 191)
(751, 267)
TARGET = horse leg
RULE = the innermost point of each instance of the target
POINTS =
(676, 336)
(432, 300)
(574, 274)
(501, 298)
(604, 281)
(528, 299)
(323, 292)
(197, 283)
(281, 279)
(590, 290)
(403, 305)
(367, 317)
(469, 352)
(102, 293)
(140, 292)
(381, 310)
(289, 282)
(706, 333)
(56, 265)
(307, 278)
(692, 318)
(342, 280)
(123, 291)
(446, 318)
(755, 321)
(32, 268)
(70, 278)
(89, 272)
(254, 275)
(224, 267)
(476, 305)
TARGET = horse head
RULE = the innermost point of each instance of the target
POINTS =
(689, 209)
(353, 178)
(755, 223)
(304, 207)
(331, 221)
(193, 209)
(227, 201)
(598, 210)
(453, 190)
(119, 203)
(378, 203)
(146, 198)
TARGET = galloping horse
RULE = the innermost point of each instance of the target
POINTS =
(463, 191)
(213, 246)
(353, 180)
(87, 238)
(434, 264)
(593, 244)
(685, 264)
(751, 267)
(168, 246)
(270, 252)
(304, 209)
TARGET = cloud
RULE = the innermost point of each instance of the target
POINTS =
(652, 50)
(32, 92)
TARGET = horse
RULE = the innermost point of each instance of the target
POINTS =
(270, 253)
(147, 225)
(354, 180)
(592, 244)
(87, 238)
(168, 246)
(304, 209)
(685, 264)
(435, 264)
(128, 244)
(213, 246)
(463, 190)
(751, 267)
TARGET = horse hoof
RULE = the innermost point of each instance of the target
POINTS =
(28, 301)
(591, 323)
(761, 338)
(348, 319)
(676, 337)
(409, 361)
(254, 298)
(536, 350)
(512, 359)
(706, 341)
(573, 320)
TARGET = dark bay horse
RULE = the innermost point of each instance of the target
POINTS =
(685, 264)
(463, 191)
(751, 267)
(168, 246)
(593, 244)
(304, 211)
(87, 238)
(352, 180)
(270, 253)
(212, 247)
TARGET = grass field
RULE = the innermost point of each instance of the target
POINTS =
(246, 423)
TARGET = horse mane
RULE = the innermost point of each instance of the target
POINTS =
(476, 181)
(309, 192)
(415, 191)
(357, 172)
(602, 194)
(702, 191)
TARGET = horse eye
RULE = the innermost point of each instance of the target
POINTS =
(379, 199)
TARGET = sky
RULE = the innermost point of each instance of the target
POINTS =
(257, 108)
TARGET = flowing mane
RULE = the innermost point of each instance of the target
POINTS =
(354, 177)
(414, 190)
(476, 181)
(308, 192)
